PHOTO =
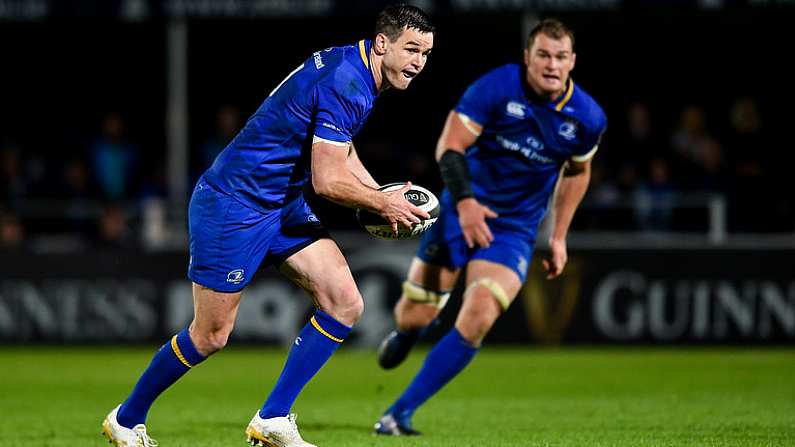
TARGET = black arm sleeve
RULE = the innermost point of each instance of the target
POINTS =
(455, 173)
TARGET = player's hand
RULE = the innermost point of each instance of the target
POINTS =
(556, 261)
(399, 211)
(472, 217)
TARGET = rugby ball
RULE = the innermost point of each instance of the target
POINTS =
(379, 227)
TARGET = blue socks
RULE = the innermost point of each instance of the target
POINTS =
(450, 355)
(170, 363)
(312, 348)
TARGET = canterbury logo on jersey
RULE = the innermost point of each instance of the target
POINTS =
(515, 109)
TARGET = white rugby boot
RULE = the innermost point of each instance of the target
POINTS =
(121, 436)
(275, 432)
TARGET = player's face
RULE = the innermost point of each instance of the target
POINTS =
(405, 57)
(549, 62)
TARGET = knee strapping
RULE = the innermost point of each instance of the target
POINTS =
(419, 294)
(492, 286)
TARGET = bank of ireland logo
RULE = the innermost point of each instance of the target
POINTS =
(568, 130)
(235, 276)
(534, 143)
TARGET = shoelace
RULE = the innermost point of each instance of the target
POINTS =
(291, 418)
(144, 440)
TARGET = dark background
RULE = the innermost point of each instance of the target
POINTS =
(77, 262)
(68, 64)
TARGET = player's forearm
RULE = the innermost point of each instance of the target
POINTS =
(569, 194)
(348, 190)
(358, 170)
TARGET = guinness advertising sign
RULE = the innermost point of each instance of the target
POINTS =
(678, 296)
(704, 296)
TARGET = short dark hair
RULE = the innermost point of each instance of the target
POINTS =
(553, 28)
(395, 18)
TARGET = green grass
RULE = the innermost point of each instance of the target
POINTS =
(507, 397)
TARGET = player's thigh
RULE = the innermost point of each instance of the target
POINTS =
(214, 308)
(432, 276)
(490, 288)
(214, 316)
(441, 253)
(432, 273)
(322, 271)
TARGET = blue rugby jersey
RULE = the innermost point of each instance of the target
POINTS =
(515, 162)
(329, 97)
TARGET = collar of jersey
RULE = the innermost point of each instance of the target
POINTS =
(565, 97)
(364, 46)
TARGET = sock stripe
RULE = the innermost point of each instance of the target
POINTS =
(178, 353)
(323, 331)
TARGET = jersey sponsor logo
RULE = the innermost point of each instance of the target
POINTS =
(515, 109)
(318, 60)
(235, 276)
(312, 218)
(534, 143)
(529, 152)
(568, 130)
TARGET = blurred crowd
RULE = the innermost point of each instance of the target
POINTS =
(655, 178)
(652, 173)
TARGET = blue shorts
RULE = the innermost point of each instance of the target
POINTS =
(444, 244)
(229, 241)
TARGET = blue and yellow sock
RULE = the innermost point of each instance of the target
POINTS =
(170, 363)
(321, 336)
(449, 357)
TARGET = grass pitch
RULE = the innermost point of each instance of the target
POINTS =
(507, 397)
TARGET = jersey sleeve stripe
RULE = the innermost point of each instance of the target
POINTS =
(585, 157)
(467, 122)
(317, 139)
